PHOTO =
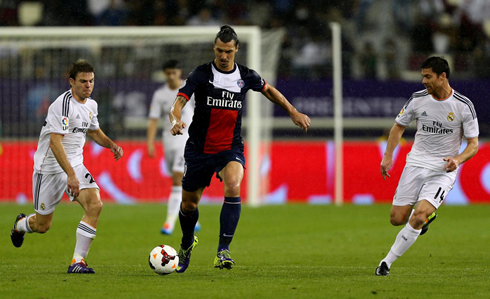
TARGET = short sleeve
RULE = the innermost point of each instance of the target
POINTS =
(155, 106)
(256, 82)
(470, 123)
(190, 84)
(94, 123)
(58, 122)
(406, 115)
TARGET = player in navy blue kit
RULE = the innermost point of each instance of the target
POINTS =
(215, 144)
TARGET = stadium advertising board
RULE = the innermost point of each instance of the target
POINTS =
(370, 98)
(293, 176)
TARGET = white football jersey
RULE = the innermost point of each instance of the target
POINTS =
(161, 103)
(441, 126)
(71, 118)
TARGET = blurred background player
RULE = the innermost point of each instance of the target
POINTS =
(215, 144)
(443, 117)
(58, 165)
(173, 147)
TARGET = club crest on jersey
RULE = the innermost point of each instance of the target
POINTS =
(65, 123)
(450, 116)
(240, 83)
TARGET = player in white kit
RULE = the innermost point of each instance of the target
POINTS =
(443, 117)
(58, 165)
(162, 101)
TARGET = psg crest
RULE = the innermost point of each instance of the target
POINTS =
(240, 83)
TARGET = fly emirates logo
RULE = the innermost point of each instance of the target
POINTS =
(226, 101)
(436, 128)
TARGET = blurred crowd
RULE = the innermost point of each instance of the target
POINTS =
(382, 39)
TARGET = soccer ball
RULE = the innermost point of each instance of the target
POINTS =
(163, 259)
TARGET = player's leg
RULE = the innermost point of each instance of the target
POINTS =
(47, 192)
(33, 223)
(91, 203)
(175, 163)
(399, 215)
(188, 216)
(89, 199)
(232, 175)
(409, 186)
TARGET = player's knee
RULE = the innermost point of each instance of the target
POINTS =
(188, 206)
(396, 220)
(233, 186)
(95, 206)
(418, 219)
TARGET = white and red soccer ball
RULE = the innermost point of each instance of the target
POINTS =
(163, 259)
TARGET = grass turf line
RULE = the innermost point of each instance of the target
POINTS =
(287, 251)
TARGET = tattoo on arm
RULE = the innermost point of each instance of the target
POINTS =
(181, 100)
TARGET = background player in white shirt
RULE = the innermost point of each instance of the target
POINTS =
(58, 165)
(443, 117)
(162, 101)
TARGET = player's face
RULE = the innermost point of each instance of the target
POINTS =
(172, 76)
(432, 82)
(83, 85)
(225, 54)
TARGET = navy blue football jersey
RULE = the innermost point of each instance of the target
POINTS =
(219, 96)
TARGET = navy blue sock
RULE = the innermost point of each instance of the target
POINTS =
(230, 214)
(188, 222)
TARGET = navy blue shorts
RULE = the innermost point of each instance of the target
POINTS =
(199, 167)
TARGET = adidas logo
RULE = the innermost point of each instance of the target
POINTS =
(78, 116)
(424, 113)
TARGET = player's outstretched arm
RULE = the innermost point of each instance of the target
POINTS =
(393, 140)
(60, 155)
(468, 153)
(101, 139)
(276, 97)
(150, 136)
(175, 115)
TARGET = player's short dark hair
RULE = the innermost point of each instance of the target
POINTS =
(226, 34)
(171, 64)
(438, 65)
(81, 66)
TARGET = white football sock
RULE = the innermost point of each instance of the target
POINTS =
(405, 238)
(173, 205)
(85, 236)
(23, 225)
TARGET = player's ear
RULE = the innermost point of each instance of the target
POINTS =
(72, 82)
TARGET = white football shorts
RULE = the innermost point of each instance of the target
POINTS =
(417, 183)
(174, 158)
(47, 189)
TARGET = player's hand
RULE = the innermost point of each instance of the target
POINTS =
(301, 120)
(386, 164)
(73, 186)
(177, 127)
(151, 150)
(451, 164)
(117, 151)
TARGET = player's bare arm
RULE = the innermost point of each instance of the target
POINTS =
(150, 136)
(101, 139)
(175, 115)
(276, 97)
(452, 163)
(393, 141)
(73, 185)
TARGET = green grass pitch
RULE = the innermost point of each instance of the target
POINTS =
(287, 251)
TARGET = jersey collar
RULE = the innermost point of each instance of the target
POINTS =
(223, 72)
